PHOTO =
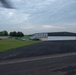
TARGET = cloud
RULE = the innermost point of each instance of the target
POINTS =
(42, 28)
(12, 16)
(39, 16)
(56, 12)
(27, 27)
(51, 27)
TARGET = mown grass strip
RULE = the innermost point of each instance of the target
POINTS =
(9, 44)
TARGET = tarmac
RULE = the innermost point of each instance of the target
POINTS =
(40, 49)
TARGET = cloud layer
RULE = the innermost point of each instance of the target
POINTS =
(39, 16)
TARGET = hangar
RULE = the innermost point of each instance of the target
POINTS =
(55, 36)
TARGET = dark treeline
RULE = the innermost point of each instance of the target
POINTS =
(14, 33)
(17, 34)
(4, 33)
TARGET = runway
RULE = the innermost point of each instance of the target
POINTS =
(45, 58)
(48, 66)
(40, 49)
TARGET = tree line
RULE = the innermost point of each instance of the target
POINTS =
(13, 34)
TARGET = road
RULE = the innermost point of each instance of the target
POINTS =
(47, 65)
(39, 49)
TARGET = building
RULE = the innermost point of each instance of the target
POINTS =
(4, 37)
(55, 36)
(41, 36)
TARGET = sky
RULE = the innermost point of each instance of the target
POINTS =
(36, 16)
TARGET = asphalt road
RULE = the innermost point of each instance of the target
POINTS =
(39, 49)
(40, 59)
(48, 66)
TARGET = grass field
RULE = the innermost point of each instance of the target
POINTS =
(9, 44)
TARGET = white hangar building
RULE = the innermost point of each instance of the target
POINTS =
(55, 36)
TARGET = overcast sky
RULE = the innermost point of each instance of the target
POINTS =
(33, 16)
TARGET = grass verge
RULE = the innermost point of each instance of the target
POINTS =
(9, 44)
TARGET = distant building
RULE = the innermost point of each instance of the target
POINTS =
(55, 36)
(4, 37)
(41, 36)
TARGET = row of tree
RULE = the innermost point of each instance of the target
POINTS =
(4, 33)
(14, 34)
(17, 34)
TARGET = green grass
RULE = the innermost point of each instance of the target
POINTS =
(9, 44)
